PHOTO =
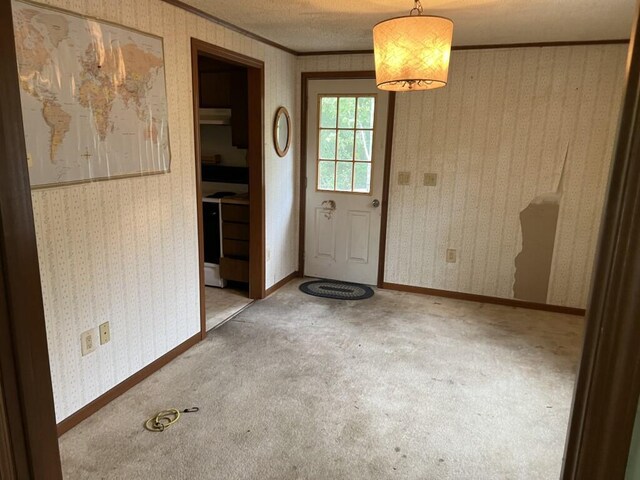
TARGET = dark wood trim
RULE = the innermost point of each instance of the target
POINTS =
(8, 465)
(282, 283)
(13, 455)
(229, 56)
(334, 52)
(230, 26)
(29, 419)
(608, 384)
(255, 158)
(358, 74)
(104, 399)
(578, 43)
(481, 47)
(471, 297)
(304, 108)
(195, 82)
(391, 115)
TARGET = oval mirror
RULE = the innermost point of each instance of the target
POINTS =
(282, 131)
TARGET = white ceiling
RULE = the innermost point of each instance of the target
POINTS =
(321, 25)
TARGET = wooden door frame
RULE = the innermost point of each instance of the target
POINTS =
(255, 158)
(28, 437)
(354, 75)
(608, 383)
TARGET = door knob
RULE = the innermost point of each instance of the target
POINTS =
(375, 203)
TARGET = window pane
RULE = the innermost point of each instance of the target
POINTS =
(345, 144)
(326, 175)
(347, 112)
(328, 112)
(343, 176)
(366, 111)
(362, 177)
(327, 147)
(364, 144)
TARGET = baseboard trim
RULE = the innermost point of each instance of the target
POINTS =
(509, 302)
(281, 283)
(91, 408)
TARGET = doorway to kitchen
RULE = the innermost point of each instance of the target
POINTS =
(228, 126)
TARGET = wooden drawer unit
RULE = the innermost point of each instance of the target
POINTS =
(234, 269)
(235, 231)
(234, 264)
(235, 248)
(235, 213)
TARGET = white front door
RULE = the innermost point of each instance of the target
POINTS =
(346, 134)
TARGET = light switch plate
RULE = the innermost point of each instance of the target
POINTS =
(452, 255)
(430, 179)
(404, 178)
(105, 333)
(88, 341)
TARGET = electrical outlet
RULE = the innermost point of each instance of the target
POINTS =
(404, 178)
(430, 179)
(452, 255)
(88, 341)
(105, 333)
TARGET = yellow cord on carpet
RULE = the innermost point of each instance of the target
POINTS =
(165, 418)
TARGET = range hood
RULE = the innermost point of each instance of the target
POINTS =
(215, 116)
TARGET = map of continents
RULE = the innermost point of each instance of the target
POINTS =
(93, 98)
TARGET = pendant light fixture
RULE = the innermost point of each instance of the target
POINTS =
(412, 52)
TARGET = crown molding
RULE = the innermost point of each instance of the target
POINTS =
(482, 47)
(230, 26)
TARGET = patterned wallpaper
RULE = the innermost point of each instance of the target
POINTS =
(126, 250)
(497, 137)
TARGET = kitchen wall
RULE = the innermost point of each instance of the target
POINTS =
(216, 140)
(497, 136)
(126, 251)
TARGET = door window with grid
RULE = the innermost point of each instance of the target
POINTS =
(345, 142)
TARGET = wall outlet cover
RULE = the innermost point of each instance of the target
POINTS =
(404, 178)
(430, 179)
(88, 341)
(452, 255)
(105, 333)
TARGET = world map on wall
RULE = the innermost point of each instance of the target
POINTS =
(93, 96)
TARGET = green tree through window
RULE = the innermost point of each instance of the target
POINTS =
(345, 142)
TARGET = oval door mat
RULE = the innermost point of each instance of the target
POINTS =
(336, 289)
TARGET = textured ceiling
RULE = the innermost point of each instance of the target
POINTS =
(320, 25)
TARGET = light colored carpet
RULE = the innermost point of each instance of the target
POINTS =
(399, 386)
(222, 303)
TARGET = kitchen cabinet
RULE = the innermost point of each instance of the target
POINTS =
(234, 264)
(228, 90)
